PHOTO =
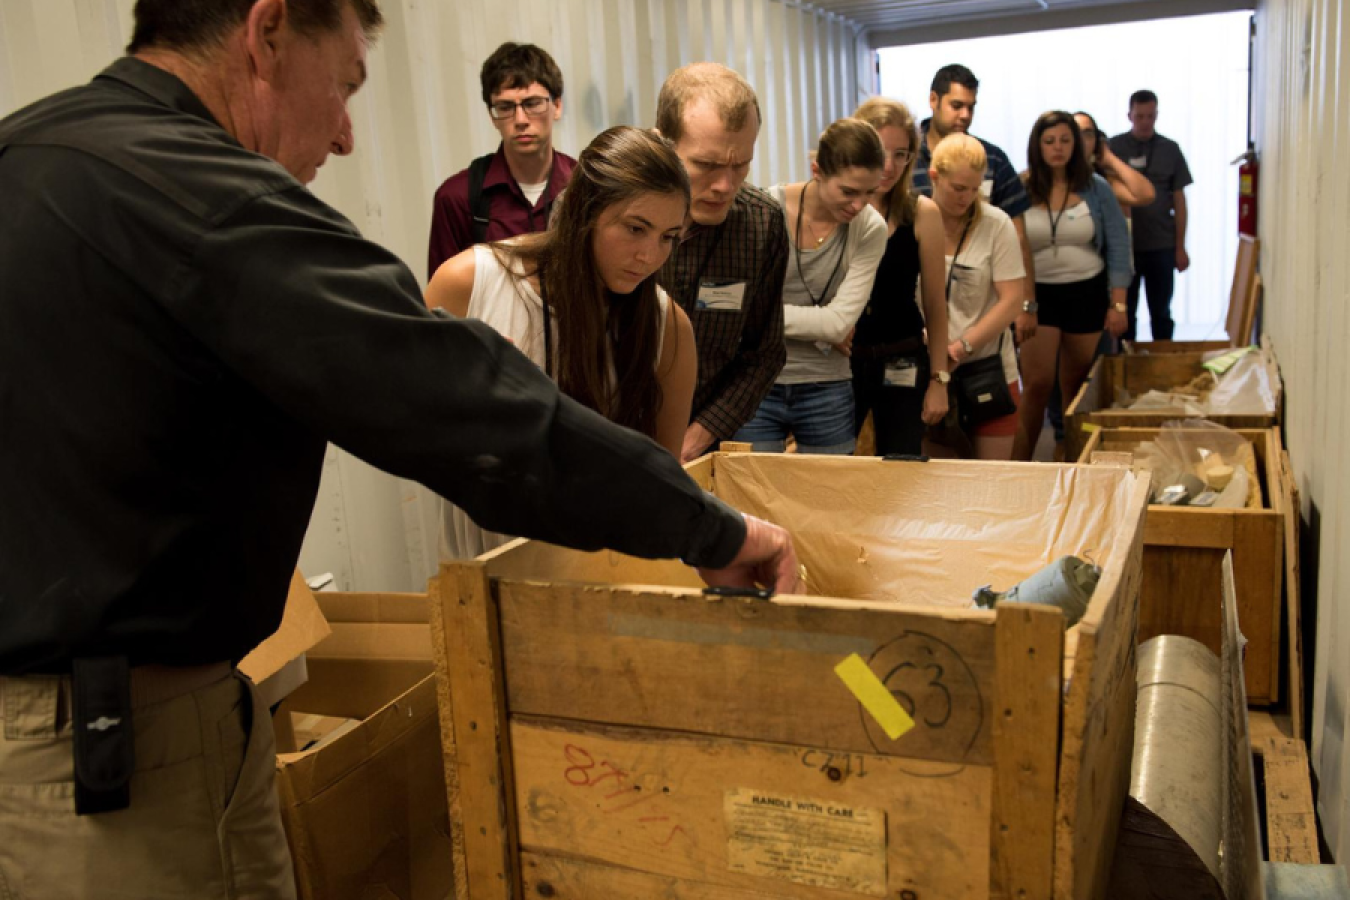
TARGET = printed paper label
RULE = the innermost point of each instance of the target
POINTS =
(820, 843)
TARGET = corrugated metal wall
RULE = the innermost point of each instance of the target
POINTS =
(420, 119)
(1302, 108)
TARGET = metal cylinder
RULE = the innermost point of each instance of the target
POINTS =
(1178, 731)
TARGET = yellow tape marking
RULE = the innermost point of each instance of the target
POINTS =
(1091, 427)
(874, 696)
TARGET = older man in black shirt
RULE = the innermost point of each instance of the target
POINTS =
(182, 327)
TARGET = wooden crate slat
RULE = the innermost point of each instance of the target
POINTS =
(1291, 818)
(738, 668)
(568, 878)
(476, 741)
(1029, 647)
(654, 802)
(1098, 731)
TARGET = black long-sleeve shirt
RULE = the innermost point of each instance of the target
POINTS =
(182, 327)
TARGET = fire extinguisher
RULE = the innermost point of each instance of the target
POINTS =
(1249, 173)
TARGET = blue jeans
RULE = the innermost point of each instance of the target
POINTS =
(818, 414)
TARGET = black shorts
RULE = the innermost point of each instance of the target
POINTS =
(1076, 308)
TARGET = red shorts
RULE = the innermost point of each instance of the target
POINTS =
(1004, 426)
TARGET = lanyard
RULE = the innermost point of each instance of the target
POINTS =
(1054, 220)
(839, 260)
(959, 244)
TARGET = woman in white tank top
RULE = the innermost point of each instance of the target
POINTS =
(581, 299)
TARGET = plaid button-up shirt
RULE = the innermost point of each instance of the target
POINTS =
(740, 352)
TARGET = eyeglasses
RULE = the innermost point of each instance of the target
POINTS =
(506, 109)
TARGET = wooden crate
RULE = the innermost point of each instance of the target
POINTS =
(1091, 407)
(1184, 549)
(1152, 861)
(608, 725)
(1154, 348)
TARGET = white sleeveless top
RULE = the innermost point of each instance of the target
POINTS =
(514, 310)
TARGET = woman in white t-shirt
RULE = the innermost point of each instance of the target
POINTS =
(581, 299)
(984, 290)
(835, 241)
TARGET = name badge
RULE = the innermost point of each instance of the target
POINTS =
(1138, 162)
(987, 188)
(721, 295)
(903, 373)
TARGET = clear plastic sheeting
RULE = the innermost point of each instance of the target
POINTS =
(930, 533)
(1218, 459)
(1249, 386)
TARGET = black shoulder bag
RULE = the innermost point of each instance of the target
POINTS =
(979, 386)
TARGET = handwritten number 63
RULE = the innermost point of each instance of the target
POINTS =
(942, 704)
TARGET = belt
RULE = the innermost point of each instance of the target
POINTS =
(156, 684)
(907, 347)
(152, 684)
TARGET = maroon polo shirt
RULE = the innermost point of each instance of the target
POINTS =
(508, 209)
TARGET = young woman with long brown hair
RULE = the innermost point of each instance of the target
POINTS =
(1081, 248)
(581, 299)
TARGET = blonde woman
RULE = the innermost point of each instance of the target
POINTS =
(898, 379)
(984, 294)
(835, 240)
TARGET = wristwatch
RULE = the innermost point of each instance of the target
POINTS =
(1120, 307)
(1030, 306)
(942, 376)
(965, 345)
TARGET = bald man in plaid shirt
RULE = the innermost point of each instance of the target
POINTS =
(728, 271)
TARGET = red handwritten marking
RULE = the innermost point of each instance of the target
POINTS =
(581, 773)
(642, 799)
(678, 829)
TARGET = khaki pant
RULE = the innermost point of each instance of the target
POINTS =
(203, 821)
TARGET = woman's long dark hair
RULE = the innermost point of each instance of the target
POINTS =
(606, 351)
(1039, 178)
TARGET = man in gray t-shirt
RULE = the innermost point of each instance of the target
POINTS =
(1160, 227)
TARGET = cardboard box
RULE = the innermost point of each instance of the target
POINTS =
(277, 665)
(365, 812)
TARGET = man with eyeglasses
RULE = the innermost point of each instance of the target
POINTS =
(509, 192)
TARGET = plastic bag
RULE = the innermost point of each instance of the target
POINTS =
(1247, 388)
(1163, 400)
(1221, 459)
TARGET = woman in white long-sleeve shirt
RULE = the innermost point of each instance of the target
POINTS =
(836, 240)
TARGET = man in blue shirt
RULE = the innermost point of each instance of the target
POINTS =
(952, 100)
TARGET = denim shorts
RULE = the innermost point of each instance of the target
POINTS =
(819, 414)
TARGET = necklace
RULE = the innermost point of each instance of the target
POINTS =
(801, 215)
(797, 251)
